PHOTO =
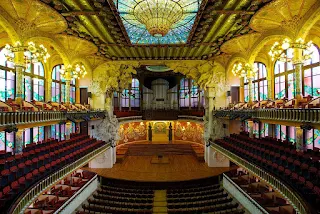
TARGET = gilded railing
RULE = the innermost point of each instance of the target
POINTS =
(288, 193)
(25, 117)
(296, 115)
(33, 193)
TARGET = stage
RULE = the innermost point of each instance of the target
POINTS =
(169, 168)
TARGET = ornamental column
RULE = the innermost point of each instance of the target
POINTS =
(68, 130)
(250, 90)
(269, 80)
(68, 90)
(250, 126)
(48, 89)
(20, 63)
(299, 139)
(298, 64)
(19, 144)
(208, 126)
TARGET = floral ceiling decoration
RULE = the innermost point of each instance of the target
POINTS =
(158, 21)
(120, 35)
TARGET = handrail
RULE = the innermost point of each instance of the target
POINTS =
(295, 199)
(245, 194)
(33, 193)
(78, 192)
(187, 117)
(289, 114)
(129, 119)
(25, 117)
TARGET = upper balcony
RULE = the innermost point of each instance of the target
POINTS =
(276, 110)
(31, 113)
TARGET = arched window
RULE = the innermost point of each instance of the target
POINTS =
(246, 89)
(34, 80)
(133, 97)
(7, 78)
(58, 88)
(284, 79)
(311, 74)
(260, 83)
(190, 93)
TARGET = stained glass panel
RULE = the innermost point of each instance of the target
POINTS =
(10, 141)
(135, 94)
(280, 87)
(38, 89)
(281, 132)
(27, 136)
(27, 95)
(2, 141)
(292, 134)
(138, 33)
(291, 86)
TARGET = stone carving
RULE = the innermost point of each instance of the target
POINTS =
(107, 130)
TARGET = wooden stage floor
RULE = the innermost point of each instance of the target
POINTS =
(141, 168)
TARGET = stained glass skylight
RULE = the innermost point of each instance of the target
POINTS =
(178, 31)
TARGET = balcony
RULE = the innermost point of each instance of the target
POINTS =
(311, 115)
(24, 118)
(160, 114)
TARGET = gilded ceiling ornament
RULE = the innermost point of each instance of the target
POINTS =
(292, 25)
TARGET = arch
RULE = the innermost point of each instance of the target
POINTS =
(8, 27)
(60, 50)
(85, 62)
(310, 21)
(235, 58)
(256, 48)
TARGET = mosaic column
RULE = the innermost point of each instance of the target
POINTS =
(48, 89)
(67, 90)
(271, 130)
(18, 141)
(19, 81)
(68, 130)
(250, 126)
(269, 79)
(299, 139)
(298, 64)
(250, 90)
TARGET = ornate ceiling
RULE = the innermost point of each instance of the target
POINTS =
(102, 23)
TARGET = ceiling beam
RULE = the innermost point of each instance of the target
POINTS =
(102, 13)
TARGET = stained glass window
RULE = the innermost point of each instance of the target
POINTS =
(246, 90)
(188, 89)
(38, 134)
(27, 136)
(135, 93)
(256, 130)
(281, 132)
(58, 85)
(284, 78)
(264, 129)
(260, 83)
(9, 141)
(312, 74)
(292, 134)
(125, 98)
(138, 33)
(7, 78)
(312, 138)
(34, 82)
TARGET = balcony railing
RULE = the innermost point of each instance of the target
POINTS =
(293, 197)
(22, 118)
(34, 192)
(296, 115)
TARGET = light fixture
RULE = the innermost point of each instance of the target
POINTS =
(278, 50)
(32, 53)
(158, 16)
(77, 71)
(244, 70)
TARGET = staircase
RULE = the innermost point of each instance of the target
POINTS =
(160, 201)
(159, 149)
